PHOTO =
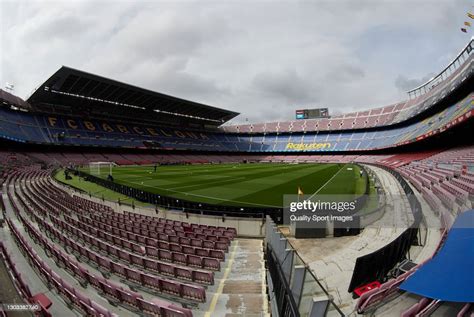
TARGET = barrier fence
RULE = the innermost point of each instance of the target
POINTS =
(294, 289)
(376, 265)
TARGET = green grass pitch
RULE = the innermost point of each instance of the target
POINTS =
(258, 184)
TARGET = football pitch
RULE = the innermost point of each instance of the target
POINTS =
(257, 184)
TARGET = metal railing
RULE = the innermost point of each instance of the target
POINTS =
(457, 63)
(295, 290)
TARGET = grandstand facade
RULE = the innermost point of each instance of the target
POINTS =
(108, 258)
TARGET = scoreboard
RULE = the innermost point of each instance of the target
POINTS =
(312, 113)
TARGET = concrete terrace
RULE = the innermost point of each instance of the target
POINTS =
(332, 259)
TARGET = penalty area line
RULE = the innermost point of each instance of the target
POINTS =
(324, 185)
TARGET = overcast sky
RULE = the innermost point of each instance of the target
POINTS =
(264, 59)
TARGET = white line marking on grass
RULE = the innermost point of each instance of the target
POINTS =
(248, 204)
(324, 185)
(227, 178)
(204, 196)
(132, 177)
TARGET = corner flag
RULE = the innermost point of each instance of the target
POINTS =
(300, 192)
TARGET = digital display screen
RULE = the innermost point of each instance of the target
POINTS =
(312, 113)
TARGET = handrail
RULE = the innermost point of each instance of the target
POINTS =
(275, 263)
(465, 53)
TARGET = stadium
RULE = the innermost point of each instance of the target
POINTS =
(118, 200)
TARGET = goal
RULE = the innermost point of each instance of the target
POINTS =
(101, 168)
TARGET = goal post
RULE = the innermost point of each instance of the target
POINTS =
(101, 168)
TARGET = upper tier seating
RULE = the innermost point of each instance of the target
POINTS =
(376, 117)
(26, 127)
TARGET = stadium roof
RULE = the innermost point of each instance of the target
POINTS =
(80, 88)
(8, 98)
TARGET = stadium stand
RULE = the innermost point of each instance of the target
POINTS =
(39, 207)
(21, 127)
(377, 117)
(68, 251)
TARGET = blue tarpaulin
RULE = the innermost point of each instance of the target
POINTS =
(449, 276)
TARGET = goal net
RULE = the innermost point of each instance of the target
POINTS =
(101, 168)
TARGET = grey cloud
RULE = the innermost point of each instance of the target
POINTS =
(264, 60)
(177, 80)
(405, 84)
(347, 73)
(62, 27)
(287, 86)
(170, 34)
